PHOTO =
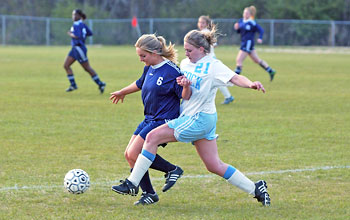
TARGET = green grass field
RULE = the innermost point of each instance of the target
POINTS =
(296, 137)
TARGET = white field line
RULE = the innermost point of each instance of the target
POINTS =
(107, 183)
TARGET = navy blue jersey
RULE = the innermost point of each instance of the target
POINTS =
(248, 28)
(160, 93)
(80, 30)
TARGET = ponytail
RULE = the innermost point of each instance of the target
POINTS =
(80, 13)
(152, 43)
(252, 11)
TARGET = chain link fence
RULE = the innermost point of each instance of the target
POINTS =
(27, 30)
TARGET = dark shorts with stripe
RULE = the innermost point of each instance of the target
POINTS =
(247, 46)
(79, 53)
(146, 126)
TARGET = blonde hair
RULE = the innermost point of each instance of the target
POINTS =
(200, 39)
(157, 44)
(252, 11)
(207, 20)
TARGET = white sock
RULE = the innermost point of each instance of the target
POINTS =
(225, 92)
(141, 166)
(238, 179)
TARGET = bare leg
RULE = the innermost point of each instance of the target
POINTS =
(208, 152)
(67, 63)
(133, 149)
(88, 68)
(254, 56)
(239, 61)
(159, 135)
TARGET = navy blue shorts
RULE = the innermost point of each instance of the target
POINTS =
(79, 53)
(247, 46)
(146, 126)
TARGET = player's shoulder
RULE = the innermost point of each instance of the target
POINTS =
(252, 22)
(170, 69)
(145, 69)
(184, 62)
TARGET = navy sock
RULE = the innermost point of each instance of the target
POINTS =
(146, 184)
(268, 69)
(238, 69)
(96, 79)
(72, 80)
(163, 165)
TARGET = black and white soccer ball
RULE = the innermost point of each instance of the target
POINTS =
(76, 181)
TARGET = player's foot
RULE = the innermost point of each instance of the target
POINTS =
(228, 100)
(102, 87)
(126, 188)
(171, 177)
(272, 74)
(147, 199)
(71, 88)
(261, 193)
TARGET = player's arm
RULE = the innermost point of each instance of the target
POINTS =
(71, 34)
(88, 31)
(186, 87)
(120, 94)
(237, 25)
(244, 82)
(261, 33)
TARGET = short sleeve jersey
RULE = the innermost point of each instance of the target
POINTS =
(80, 30)
(160, 92)
(206, 76)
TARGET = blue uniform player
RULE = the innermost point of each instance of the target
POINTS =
(248, 27)
(78, 32)
(161, 99)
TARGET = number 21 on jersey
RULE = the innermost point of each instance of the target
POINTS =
(199, 68)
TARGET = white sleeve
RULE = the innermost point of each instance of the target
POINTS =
(222, 74)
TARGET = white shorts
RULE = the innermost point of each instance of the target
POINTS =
(195, 127)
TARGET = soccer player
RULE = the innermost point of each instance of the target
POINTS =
(197, 121)
(247, 27)
(205, 24)
(78, 32)
(161, 98)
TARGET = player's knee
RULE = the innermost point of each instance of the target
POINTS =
(87, 69)
(66, 67)
(152, 139)
(212, 169)
(130, 157)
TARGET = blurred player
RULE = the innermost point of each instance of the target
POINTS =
(78, 32)
(247, 27)
(161, 98)
(197, 122)
(205, 24)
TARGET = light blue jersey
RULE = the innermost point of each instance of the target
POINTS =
(198, 114)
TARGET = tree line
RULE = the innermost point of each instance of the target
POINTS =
(102, 9)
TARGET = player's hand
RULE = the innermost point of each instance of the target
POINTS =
(183, 81)
(116, 96)
(257, 86)
(259, 41)
(236, 26)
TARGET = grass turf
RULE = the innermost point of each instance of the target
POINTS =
(301, 122)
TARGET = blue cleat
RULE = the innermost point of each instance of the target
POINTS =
(228, 100)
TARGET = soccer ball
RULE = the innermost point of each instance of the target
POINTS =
(76, 181)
